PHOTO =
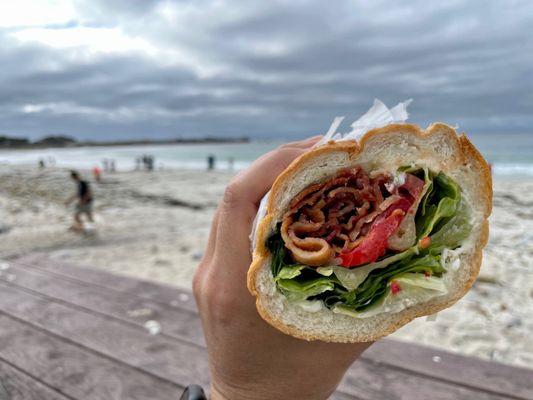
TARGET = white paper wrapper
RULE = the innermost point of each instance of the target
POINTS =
(377, 116)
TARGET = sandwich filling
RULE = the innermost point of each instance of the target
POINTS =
(364, 243)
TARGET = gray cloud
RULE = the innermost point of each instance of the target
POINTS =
(272, 68)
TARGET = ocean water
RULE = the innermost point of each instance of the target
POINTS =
(510, 154)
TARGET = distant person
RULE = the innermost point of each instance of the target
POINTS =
(105, 161)
(112, 165)
(231, 161)
(84, 204)
(97, 174)
(210, 162)
(150, 163)
(41, 163)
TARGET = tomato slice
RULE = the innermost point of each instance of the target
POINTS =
(374, 245)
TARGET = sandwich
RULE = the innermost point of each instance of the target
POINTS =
(362, 236)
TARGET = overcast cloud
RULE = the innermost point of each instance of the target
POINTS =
(136, 69)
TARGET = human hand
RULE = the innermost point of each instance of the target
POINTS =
(248, 358)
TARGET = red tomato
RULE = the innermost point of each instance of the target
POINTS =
(374, 245)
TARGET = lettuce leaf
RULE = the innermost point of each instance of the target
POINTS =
(297, 291)
(375, 285)
(326, 271)
(440, 203)
(417, 281)
(413, 288)
(289, 272)
(454, 231)
(278, 252)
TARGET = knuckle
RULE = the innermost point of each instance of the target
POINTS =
(288, 153)
(285, 149)
(232, 195)
(218, 300)
(215, 300)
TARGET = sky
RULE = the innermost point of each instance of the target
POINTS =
(132, 69)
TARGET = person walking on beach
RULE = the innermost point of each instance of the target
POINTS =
(85, 201)
(97, 174)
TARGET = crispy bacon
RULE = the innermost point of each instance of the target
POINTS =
(345, 217)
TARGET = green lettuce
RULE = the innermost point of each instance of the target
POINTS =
(289, 272)
(454, 231)
(413, 288)
(302, 290)
(374, 287)
(278, 253)
(413, 282)
(439, 204)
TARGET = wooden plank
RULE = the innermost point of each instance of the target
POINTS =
(166, 359)
(446, 366)
(367, 380)
(17, 385)
(469, 372)
(166, 294)
(76, 372)
(181, 324)
(169, 359)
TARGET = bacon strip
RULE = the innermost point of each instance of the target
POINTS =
(333, 218)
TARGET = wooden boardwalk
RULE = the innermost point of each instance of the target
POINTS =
(78, 333)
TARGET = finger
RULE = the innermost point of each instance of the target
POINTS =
(251, 185)
(239, 206)
(241, 198)
(304, 143)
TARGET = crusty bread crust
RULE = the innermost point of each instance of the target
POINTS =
(438, 145)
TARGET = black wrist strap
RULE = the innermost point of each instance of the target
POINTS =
(193, 392)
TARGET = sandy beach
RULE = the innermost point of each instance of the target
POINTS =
(155, 225)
